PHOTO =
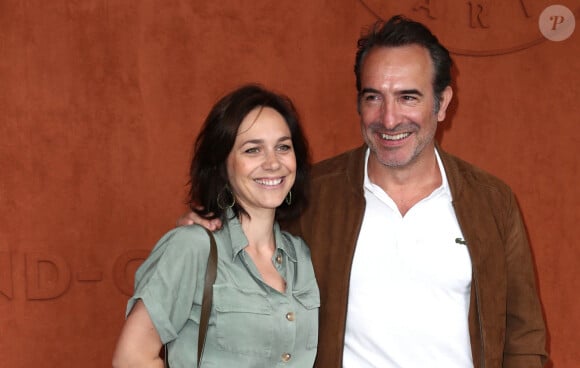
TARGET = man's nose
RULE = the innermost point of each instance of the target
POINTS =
(389, 114)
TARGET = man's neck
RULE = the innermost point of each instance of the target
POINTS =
(409, 184)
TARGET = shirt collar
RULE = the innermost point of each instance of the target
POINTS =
(444, 188)
(239, 240)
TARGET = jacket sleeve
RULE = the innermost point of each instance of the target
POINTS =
(525, 330)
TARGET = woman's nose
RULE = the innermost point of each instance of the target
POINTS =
(271, 161)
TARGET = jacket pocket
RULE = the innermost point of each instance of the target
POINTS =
(244, 322)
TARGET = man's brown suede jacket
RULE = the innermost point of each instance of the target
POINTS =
(505, 317)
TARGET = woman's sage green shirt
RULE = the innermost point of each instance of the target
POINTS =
(251, 324)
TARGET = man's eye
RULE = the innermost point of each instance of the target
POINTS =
(409, 98)
(371, 98)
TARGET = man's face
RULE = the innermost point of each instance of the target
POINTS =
(397, 105)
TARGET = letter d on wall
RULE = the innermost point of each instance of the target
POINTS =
(47, 276)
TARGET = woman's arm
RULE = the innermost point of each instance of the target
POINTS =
(139, 343)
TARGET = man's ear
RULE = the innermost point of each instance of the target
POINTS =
(446, 97)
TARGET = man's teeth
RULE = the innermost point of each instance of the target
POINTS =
(269, 181)
(395, 137)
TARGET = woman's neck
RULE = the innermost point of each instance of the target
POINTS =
(259, 230)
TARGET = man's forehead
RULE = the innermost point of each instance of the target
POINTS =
(407, 54)
(384, 64)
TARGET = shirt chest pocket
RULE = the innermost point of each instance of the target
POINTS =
(244, 322)
(309, 302)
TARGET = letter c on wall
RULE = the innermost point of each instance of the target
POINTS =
(124, 269)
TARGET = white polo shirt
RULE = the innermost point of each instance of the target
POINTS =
(409, 285)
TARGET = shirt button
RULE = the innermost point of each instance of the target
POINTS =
(286, 357)
(279, 259)
(290, 316)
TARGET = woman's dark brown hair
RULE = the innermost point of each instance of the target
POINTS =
(208, 173)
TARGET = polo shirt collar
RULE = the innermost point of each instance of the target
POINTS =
(444, 183)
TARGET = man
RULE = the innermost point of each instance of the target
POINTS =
(422, 259)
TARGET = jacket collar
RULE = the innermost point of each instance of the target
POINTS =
(452, 171)
(355, 171)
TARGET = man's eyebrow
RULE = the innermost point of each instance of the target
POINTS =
(410, 92)
(368, 90)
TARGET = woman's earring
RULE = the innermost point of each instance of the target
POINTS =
(222, 200)
(288, 198)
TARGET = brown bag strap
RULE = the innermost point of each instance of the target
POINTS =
(210, 276)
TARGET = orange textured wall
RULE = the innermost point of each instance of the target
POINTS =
(101, 100)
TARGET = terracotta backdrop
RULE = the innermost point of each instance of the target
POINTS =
(100, 102)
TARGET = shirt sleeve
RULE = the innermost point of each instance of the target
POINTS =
(170, 281)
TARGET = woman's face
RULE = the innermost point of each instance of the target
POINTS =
(262, 166)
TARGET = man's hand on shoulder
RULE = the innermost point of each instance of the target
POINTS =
(190, 218)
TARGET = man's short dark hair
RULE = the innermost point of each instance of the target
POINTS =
(401, 31)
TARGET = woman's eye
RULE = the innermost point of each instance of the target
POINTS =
(284, 147)
(252, 150)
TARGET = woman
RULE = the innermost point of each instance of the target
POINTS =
(249, 170)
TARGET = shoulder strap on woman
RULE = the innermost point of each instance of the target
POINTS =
(210, 276)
